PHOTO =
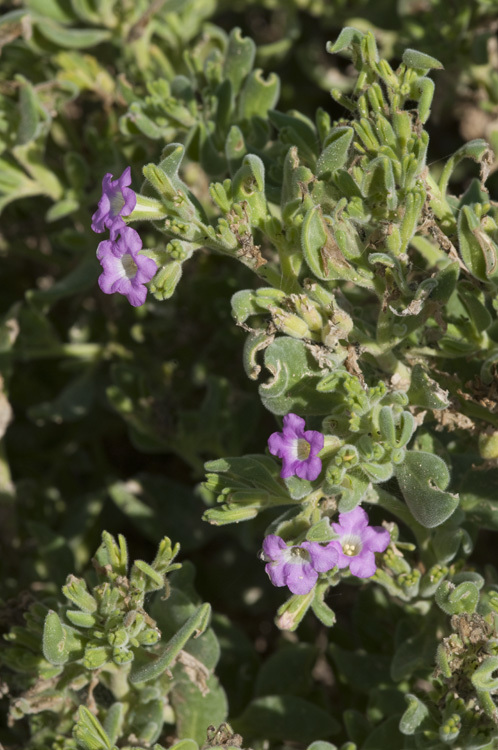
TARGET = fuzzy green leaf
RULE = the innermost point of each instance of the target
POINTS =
(419, 60)
(54, 640)
(423, 477)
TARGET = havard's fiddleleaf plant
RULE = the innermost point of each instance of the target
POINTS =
(373, 315)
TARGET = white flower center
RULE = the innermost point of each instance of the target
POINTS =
(296, 555)
(351, 545)
(303, 449)
(129, 266)
(117, 202)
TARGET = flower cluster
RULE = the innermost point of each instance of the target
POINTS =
(298, 566)
(124, 270)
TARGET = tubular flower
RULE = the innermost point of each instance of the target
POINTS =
(298, 566)
(358, 542)
(117, 200)
(125, 271)
(298, 448)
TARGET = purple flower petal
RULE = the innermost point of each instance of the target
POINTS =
(273, 546)
(131, 239)
(117, 200)
(323, 559)
(278, 445)
(376, 538)
(357, 542)
(298, 571)
(289, 467)
(352, 522)
(104, 248)
(276, 574)
(300, 577)
(297, 449)
(146, 268)
(309, 469)
(363, 565)
(342, 559)
(136, 295)
(124, 270)
(315, 439)
(294, 425)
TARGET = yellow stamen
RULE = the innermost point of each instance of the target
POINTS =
(303, 449)
(129, 265)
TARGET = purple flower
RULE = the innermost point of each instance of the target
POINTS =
(357, 542)
(125, 271)
(117, 200)
(297, 448)
(297, 567)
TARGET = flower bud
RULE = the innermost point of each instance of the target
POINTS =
(290, 324)
(292, 612)
(488, 444)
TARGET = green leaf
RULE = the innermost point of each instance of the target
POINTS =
(477, 149)
(72, 38)
(447, 541)
(238, 664)
(322, 253)
(15, 184)
(73, 402)
(477, 249)
(423, 477)
(84, 10)
(285, 717)
(113, 724)
(287, 671)
(239, 58)
(195, 624)
(478, 313)
(414, 716)
(295, 375)
(258, 95)
(426, 392)
(335, 153)
(141, 514)
(479, 498)
(53, 9)
(81, 619)
(80, 279)
(386, 735)
(89, 732)
(195, 712)
(54, 639)
(77, 592)
(320, 532)
(414, 59)
(361, 671)
(144, 577)
(455, 600)
(225, 515)
(413, 653)
(348, 36)
(235, 148)
(28, 107)
(61, 209)
(483, 678)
